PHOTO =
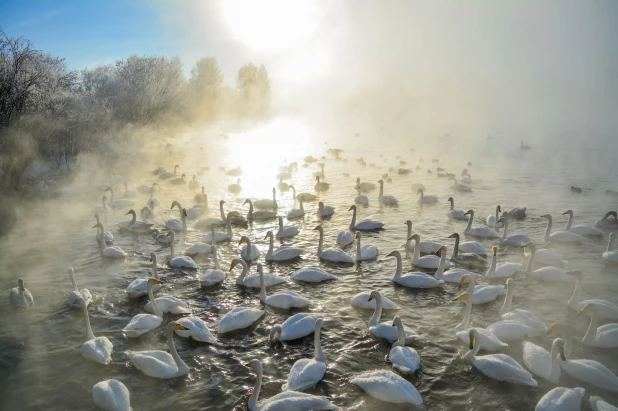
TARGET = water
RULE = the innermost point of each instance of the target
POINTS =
(41, 367)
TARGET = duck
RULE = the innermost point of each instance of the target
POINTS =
(135, 226)
(427, 246)
(283, 253)
(493, 221)
(76, 293)
(547, 273)
(607, 223)
(365, 252)
(308, 372)
(385, 330)
(414, 279)
(364, 225)
(183, 261)
(480, 294)
(266, 203)
(306, 197)
(454, 274)
(321, 185)
(561, 399)
(500, 367)
(282, 299)
(563, 237)
(286, 231)
(472, 247)
(546, 256)
(160, 364)
(213, 276)
(523, 316)
(109, 237)
(606, 310)
(260, 215)
(483, 232)
(502, 270)
(235, 188)
(297, 326)
(542, 363)
(250, 251)
(196, 329)
(335, 255)
(239, 318)
(454, 213)
(605, 336)
(139, 286)
(388, 387)
(487, 339)
(583, 230)
(404, 359)
(589, 371)
(121, 202)
(114, 252)
(312, 275)
(360, 198)
(111, 395)
(288, 400)
(468, 259)
(423, 199)
(364, 187)
(218, 237)
(297, 212)
(609, 254)
(143, 323)
(386, 200)
(514, 240)
(325, 211)
(344, 238)
(97, 349)
(428, 261)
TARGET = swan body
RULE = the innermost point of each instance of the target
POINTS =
(143, 323)
(462, 188)
(169, 304)
(469, 259)
(198, 248)
(589, 371)
(213, 276)
(360, 198)
(523, 316)
(504, 270)
(111, 395)
(609, 254)
(481, 294)
(561, 399)
(510, 330)
(414, 279)
(120, 202)
(487, 339)
(483, 232)
(335, 255)
(266, 203)
(102, 208)
(493, 220)
(515, 239)
(428, 261)
(260, 215)
(563, 237)
(283, 253)
(253, 280)
(386, 200)
(364, 225)
(325, 210)
(305, 197)
(583, 230)
(454, 213)
(306, 373)
(385, 330)
(250, 251)
(427, 247)
(109, 238)
(312, 275)
(180, 261)
(362, 300)
(239, 318)
(606, 310)
(365, 252)
(235, 188)
(404, 359)
(179, 180)
(286, 231)
(598, 404)
(297, 326)
(423, 199)
(297, 212)
(321, 185)
(548, 273)
(546, 256)
(344, 238)
(282, 299)
(76, 293)
(139, 286)
(605, 336)
(160, 364)
(194, 183)
(97, 349)
(114, 252)
(472, 247)
(196, 329)
(364, 186)
(540, 362)
(134, 225)
(388, 386)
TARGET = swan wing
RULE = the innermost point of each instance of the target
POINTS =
(141, 324)
(388, 386)
(598, 404)
(561, 399)
(111, 395)
(360, 300)
(536, 359)
(312, 275)
(405, 358)
(158, 364)
(239, 318)
(502, 367)
(99, 350)
(197, 329)
(305, 373)
(419, 280)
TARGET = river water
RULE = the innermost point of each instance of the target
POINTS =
(40, 364)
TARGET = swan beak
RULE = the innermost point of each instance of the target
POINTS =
(266, 237)
(95, 226)
(151, 259)
(550, 329)
(390, 254)
(182, 327)
(471, 345)
(248, 364)
(350, 209)
(370, 298)
(157, 281)
(233, 265)
(439, 252)
(127, 213)
(241, 241)
(467, 212)
(561, 351)
(394, 325)
(461, 283)
(524, 245)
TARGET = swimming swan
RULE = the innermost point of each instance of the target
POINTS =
(364, 225)
(563, 237)
(97, 349)
(283, 253)
(483, 232)
(331, 254)
(111, 395)
(388, 386)
(454, 213)
(487, 339)
(180, 261)
(109, 252)
(297, 326)
(540, 362)
(427, 247)
(404, 359)
(143, 323)
(308, 372)
(20, 296)
(76, 293)
(414, 279)
(523, 316)
(250, 251)
(584, 230)
(605, 336)
(365, 252)
(385, 330)
(428, 261)
(282, 299)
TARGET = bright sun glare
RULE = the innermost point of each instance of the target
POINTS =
(271, 25)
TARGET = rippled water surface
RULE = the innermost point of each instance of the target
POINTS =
(40, 364)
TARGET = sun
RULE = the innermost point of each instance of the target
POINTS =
(271, 25)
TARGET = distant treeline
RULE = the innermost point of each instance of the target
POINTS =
(52, 113)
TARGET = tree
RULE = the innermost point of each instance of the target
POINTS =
(205, 85)
(254, 86)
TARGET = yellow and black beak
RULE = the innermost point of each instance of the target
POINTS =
(181, 327)
(561, 351)
(390, 254)
(248, 364)
(471, 345)
(370, 298)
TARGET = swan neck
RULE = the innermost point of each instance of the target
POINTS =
(452, 203)
(221, 211)
(319, 354)
(353, 223)
(591, 333)
(256, 391)
(555, 366)
(576, 292)
(73, 281)
(262, 287)
(155, 307)
(182, 367)
(466, 320)
(358, 248)
(470, 221)
(250, 215)
(530, 261)
(229, 225)
(245, 271)
(440, 271)
(102, 244)
(402, 335)
(184, 227)
(377, 314)
(214, 256)
(548, 230)
(89, 333)
(456, 248)
(271, 246)
(381, 190)
(492, 269)
(172, 248)
(569, 223)
(506, 228)
(508, 299)
(409, 232)
(154, 269)
(417, 249)
(399, 268)
(497, 216)
(320, 243)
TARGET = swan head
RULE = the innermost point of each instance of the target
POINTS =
(173, 326)
(20, 283)
(269, 234)
(374, 295)
(247, 201)
(556, 328)
(394, 254)
(450, 200)
(153, 281)
(317, 178)
(469, 212)
(548, 216)
(260, 268)
(569, 212)
(494, 250)
(132, 212)
(381, 182)
(420, 191)
(255, 365)
(588, 309)
(235, 262)
(176, 204)
(463, 297)
(502, 220)
(408, 223)
(441, 250)
(194, 177)
(415, 237)
(104, 198)
(171, 235)
(498, 208)
(454, 235)
(353, 207)
(243, 239)
(153, 258)
(221, 202)
(110, 189)
(466, 278)
(275, 333)
(98, 225)
(397, 322)
(319, 228)
(561, 352)
(576, 273)
(357, 235)
(509, 281)
(472, 334)
(213, 226)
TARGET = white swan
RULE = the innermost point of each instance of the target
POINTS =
(561, 399)
(282, 299)
(160, 238)
(297, 212)
(331, 254)
(198, 248)
(286, 231)
(558, 328)
(388, 386)
(364, 187)
(143, 323)
(109, 238)
(515, 239)
(540, 362)
(260, 215)
(312, 275)
(584, 230)
(605, 336)
(427, 247)
(454, 213)
(503, 270)
(609, 254)
(325, 210)
(563, 237)
(179, 180)
(523, 316)
(194, 183)
(481, 294)
(493, 220)
(239, 318)
(177, 224)
(598, 404)
(365, 252)
(266, 203)
(97, 349)
(134, 225)
(180, 261)
(362, 300)
(196, 329)
(547, 273)
(202, 198)
(160, 364)
(283, 253)
(547, 256)
(308, 372)
(344, 239)
(297, 326)
(213, 276)
(454, 274)
(103, 207)
(360, 198)
(462, 188)
(20, 296)
(111, 395)
(414, 279)
(589, 371)
(428, 261)
(423, 199)
(76, 293)
(169, 304)
(510, 330)
(500, 367)
(469, 259)
(364, 225)
(250, 251)
(121, 202)
(253, 280)
(321, 185)
(386, 200)
(404, 359)
(288, 400)
(109, 252)
(385, 330)
(470, 247)
(487, 339)
(219, 237)
(607, 311)
(235, 187)
(306, 197)
(483, 232)
(166, 175)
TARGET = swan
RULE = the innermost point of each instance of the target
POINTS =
(471, 247)
(454, 274)
(283, 186)
(515, 213)
(306, 197)
(564, 237)
(454, 213)
(253, 281)
(239, 318)
(480, 294)
(176, 224)
(134, 226)
(487, 339)
(428, 261)
(169, 304)
(121, 202)
(282, 299)
(364, 225)
(608, 223)
(111, 395)
(500, 367)
(297, 326)
(153, 201)
(147, 188)
(414, 279)
(288, 400)
(331, 254)
(180, 261)
(589, 371)
(518, 314)
(548, 273)
(286, 231)
(598, 404)
(143, 323)
(321, 185)
(312, 275)
(493, 221)
(194, 183)
(235, 188)
(260, 215)
(514, 240)
(202, 198)
(386, 200)
(97, 349)
(129, 192)
(103, 207)
(196, 329)
(361, 300)
(250, 251)
(283, 253)
(160, 238)
(344, 239)
(611, 255)
(469, 259)
(558, 328)
(503, 270)
(462, 188)
(364, 187)
(510, 330)
(427, 247)
(483, 232)
(234, 172)
(325, 211)
(76, 293)
(365, 252)
(160, 364)
(607, 311)
(218, 237)
(561, 399)
(237, 219)
(109, 252)
(198, 248)
(266, 203)
(385, 330)
(307, 373)
(583, 230)
(546, 256)
(540, 362)
(605, 336)
(388, 386)
(166, 175)
(321, 172)
(404, 359)
(213, 276)
(109, 238)
(297, 212)
(360, 198)
(139, 286)
(426, 199)
(179, 180)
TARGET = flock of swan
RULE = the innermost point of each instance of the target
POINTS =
(463, 267)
